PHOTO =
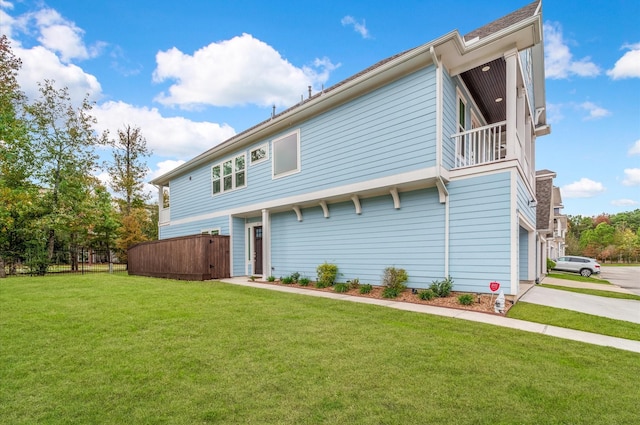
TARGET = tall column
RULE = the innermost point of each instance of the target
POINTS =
(511, 58)
(266, 244)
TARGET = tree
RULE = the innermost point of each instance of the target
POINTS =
(129, 169)
(63, 143)
(16, 162)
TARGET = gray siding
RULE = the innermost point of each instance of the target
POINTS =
(480, 223)
(363, 245)
(385, 132)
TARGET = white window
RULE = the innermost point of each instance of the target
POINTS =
(259, 154)
(212, 232)
(228, 175)
(462, 113)
(286, 155)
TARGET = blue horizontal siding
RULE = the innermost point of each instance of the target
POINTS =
(411, 237)
(388, 131)
(480, 232)
(239, 246)
(195, 227)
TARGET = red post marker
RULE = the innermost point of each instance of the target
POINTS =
(494, 286)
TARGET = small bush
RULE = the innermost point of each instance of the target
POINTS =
(304, 281)
(252, 278)
(465, 299)
(426, 294)
(341, 287)
(442, 288)
(354, 284)
(287, 280)
(550, 264)
(327, 274)
(295, 277)
(389, 292)
(366, 288)
(394, 279)
(271, 279)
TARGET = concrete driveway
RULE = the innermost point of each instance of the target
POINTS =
(613, 308)
(624, 277)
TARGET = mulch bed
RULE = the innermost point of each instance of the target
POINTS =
(484, 303)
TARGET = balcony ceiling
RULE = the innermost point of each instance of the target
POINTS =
(486, 87)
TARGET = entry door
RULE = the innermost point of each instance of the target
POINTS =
(257, 253)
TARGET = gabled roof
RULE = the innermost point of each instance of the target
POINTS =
(451, 45)
(505, 22)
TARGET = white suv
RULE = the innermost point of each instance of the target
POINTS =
(583, 265)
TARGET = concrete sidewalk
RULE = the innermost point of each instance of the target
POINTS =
(491, 319)
(613, 308)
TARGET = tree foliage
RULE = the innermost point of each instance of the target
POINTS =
(63, 144)
(605, 237)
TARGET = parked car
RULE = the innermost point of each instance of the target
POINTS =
(583, 265)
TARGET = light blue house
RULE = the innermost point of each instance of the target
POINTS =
(424, 161)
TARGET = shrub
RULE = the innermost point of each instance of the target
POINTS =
(465, 299)
(252, 278)
(341, 287)
(395, 278)
(304, 281)
(295, 277)
(442, 288)
(271, 279)
(366, 288)
(327, 274)
(287, 280)
(389, 292)
(550, 264)
(354, 284)
(426, 294)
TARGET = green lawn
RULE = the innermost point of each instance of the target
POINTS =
(574, 320)
(597, 292)
(576, 277)
(114, 349)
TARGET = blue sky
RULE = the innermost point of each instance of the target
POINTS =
(191, 74)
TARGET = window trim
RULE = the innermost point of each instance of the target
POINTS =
(234, 174)
(264, 146)
(273, 156)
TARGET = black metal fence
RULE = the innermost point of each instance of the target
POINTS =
(79, 261)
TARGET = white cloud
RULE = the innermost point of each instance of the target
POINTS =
(39, 64)
(628, 66)
(360, 28)
(61, 36)
(234, 72)
(6, 21)
(624, 202)
(559, 62)
(632, 177)
(635, 149)
(164, 167)
(595, 111)
(166, 136)
(583, 188)
(554, 113)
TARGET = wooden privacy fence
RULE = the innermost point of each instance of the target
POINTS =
(196, 257)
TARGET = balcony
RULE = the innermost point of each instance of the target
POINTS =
(164, 216)
(482, 145)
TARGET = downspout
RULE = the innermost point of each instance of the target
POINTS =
(442, 190)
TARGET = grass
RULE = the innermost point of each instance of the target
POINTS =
(598, 292)
(620, 264)
(578, 278)
(106, 349)
(574, 320)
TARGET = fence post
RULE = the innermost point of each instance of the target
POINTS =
(81, 259)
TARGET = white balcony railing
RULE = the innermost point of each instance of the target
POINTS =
(164, 215)
(480, 145)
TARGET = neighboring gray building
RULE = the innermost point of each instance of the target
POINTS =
(550, 222)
